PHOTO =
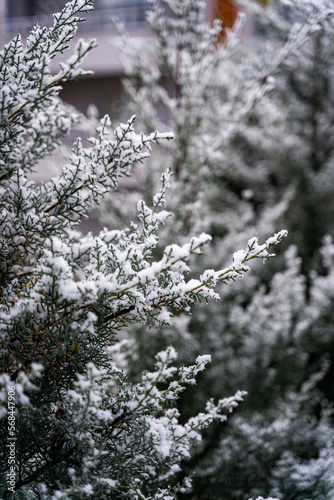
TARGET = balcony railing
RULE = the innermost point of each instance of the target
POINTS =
(130, 12)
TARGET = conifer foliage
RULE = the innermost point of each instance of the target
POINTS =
(255, 116)
(80, 428)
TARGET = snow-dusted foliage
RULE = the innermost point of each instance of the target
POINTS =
(253, 152)
(182, 79)
(296, 121)
(81, 427)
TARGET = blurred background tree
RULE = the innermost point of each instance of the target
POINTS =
(254, 119)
